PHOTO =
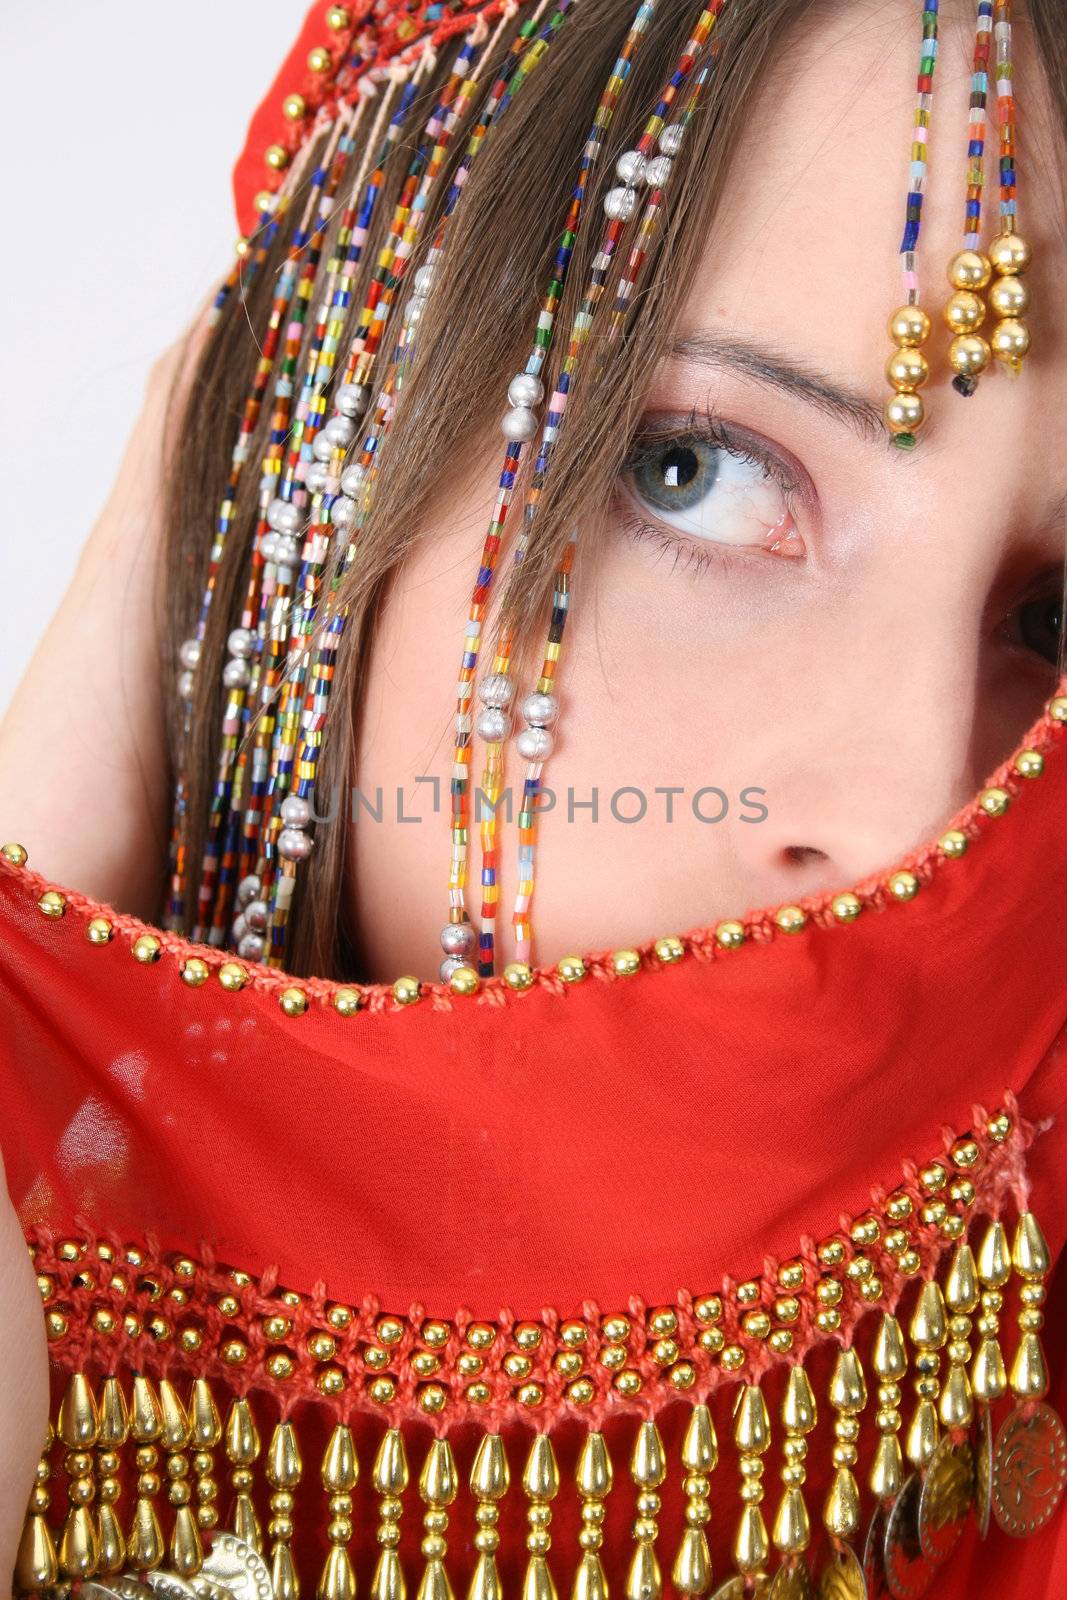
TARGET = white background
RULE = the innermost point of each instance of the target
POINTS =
(121, 123)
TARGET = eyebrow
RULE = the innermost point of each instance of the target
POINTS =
(764, 365)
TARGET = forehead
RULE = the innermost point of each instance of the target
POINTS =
(805, 250)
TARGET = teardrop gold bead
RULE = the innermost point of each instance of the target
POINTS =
(186, 1551)
(174, 1433)
(989, 1377)
(537, 1581)
(242, 1438)
(388, 1581)
(540, 1479)
(589, 1580)
(691, 1574)
(145, 1421)
(956, 1406)
(750, 1546)
(78, 1423)
(204, 1414)
(485, 1582)
(887, 1468)
(593, 1474)
(961, 1285)
(752, 1425)
(1029, 1252)
(114, 1416)
(489, 1474)
(284, 1580)
(700, 1447)
(923, 1434)
(338, 1581)
(145, 1544)
(78, 1547)
(848, 1391)
(928, 1326)
(36, 1566)
(994, 1257)
(246, 1523)
(391, 1465)
(648, 1464)
(1029, 1374)
(284, 1465)
(792, 1526)
(340, 1469)
(112, 1557)
(798, 1404)
(842, 1511)
(644, 1580)
(889, 1357)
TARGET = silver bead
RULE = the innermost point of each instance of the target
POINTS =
(235, 674)
(294, 845)
(525, 390)
(189, 653)
(321, 448)
(631, 167)
(492, 724)
(413, 310)
(241, 643)
(450, 965)
(250, 948)
(352, 399)
(352, 479)
(316, 477)
(540, 710)
(283, 516)
(424, 279)
(186, 683)
(535, 744)
(247, 889)
(268, 543)
(296, 811)
(256, 914)
(620, 204)
(340, 431)
(496, 689)
(286, 551)
(239, 929)
(658, 171)
(343, 512)
(457, 938)
(670, 140)
(519, 424)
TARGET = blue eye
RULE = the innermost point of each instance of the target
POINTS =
(713, 492)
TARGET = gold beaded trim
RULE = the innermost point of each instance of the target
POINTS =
(106, 1301)
(199, 964)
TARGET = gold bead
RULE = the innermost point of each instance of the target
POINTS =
(791, 919)
(52, 904)
(846, 907)
(464, 981)
(669, 949)
(99, 931)
(1029, 763)
(406, 991)
(232, 976)
(903, 885)
(517, 975)
(338, 19)
(266, 201)
(146, 948)
(970, 270)
(625, 963)
(969, 354)
(241, 248)
(964, 312)
(907, 369)
(909, 325)
(953, 844)
(1009, 297)
(571, 969)
(994, 802)
(294, 1002)
(346, 1002)
(319, 60)
(1057, 708)
(1010, 340)
(13, 854)
(904, 413)
(1009, 254)
(730, 935)
(276, 156)
(195, 972)
(294, 106)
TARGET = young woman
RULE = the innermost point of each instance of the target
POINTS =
(588, 1252)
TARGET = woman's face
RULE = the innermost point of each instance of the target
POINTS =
(833, 639)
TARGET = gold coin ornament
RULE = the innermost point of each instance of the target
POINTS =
(793, 1581)
(234, 1566)
(983, 1472)
(908, 1572)
(842, 1576)
(169, 1586)
(1029, 1469)
(946, 1498)
(874, 1554)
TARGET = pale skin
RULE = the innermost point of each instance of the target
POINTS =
(867, 682)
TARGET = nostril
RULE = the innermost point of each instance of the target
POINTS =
(802, 855)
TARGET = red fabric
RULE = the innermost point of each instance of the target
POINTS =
(613, 1145)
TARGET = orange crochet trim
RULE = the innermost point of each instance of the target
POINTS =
(879, 892)
(111, 1306)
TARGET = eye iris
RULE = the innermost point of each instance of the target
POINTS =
(1041, 627)
(678, 476)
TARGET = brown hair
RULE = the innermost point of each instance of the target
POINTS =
(486, 292)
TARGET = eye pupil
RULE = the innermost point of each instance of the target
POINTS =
(1041, 627)
(679, 466)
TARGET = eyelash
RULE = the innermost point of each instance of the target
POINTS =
(717, 434)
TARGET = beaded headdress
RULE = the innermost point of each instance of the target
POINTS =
(343, 334)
